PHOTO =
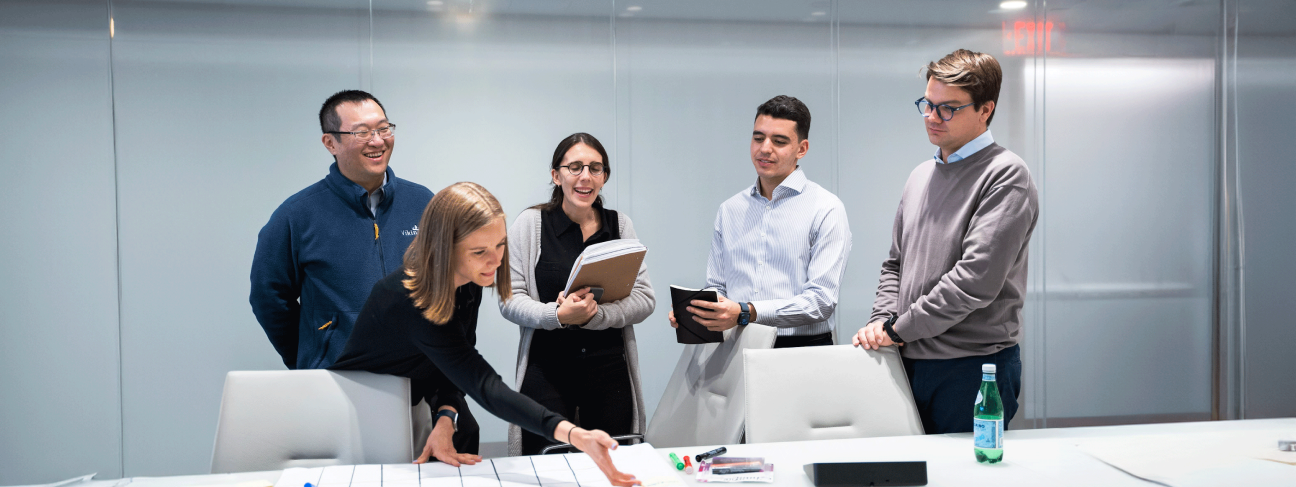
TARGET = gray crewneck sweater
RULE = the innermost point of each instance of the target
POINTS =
(956, 274)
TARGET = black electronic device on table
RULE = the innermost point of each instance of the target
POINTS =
(858, 474)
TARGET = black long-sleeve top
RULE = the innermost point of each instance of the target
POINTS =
(391, 336)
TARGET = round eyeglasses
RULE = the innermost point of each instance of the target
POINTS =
(575, 168)
(945, 112)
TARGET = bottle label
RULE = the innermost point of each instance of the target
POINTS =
(987, 433)
(987, 377)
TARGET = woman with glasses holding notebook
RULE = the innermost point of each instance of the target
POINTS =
(576, 357)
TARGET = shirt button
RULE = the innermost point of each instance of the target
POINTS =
(582, 350)
(766, 207)
(758, 292)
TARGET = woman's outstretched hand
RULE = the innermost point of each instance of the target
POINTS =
(596, 444)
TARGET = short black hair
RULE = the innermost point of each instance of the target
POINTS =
(788, 108)
(329, 119)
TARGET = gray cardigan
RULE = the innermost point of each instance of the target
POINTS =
(530, 314)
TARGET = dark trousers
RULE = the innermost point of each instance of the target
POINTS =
(592, 392)
(946, 389)
(820, 340)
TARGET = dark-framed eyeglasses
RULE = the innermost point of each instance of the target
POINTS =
(385, 132)
(946, 112)
(595, 168)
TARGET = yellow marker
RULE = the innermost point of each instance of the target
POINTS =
(326, 325)
(375, 230)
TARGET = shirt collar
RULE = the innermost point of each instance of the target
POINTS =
(794, 182)
(376, 196)
(563, 224)
(982, 141)
(353, 193)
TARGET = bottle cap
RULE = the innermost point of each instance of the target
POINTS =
(987, 368)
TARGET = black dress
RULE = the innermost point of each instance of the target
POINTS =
(579, 373)
(391, 336)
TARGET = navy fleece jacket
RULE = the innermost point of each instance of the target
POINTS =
(319, 256)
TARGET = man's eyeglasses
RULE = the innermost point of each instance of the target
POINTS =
(946, 112)
(575, 168)
(386, 132)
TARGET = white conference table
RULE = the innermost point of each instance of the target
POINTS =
(1031, 457)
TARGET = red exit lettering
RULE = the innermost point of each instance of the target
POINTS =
(1025, 38)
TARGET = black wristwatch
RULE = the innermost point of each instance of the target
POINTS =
(886, 327)
(454, 418)
(745, 315)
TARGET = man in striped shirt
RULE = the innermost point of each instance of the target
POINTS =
(779, 249)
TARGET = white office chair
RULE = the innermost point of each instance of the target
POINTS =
(703, 403)
(822, 393)
(272, 420)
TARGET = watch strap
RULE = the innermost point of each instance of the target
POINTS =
(745, 315)
(454, 418)
(890, 331)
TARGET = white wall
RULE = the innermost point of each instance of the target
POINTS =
(59, 392)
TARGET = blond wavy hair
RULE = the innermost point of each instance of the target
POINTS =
(430, 261)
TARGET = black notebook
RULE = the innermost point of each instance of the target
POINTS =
(689, 331)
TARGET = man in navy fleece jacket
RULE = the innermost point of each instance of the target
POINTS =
(325, 247)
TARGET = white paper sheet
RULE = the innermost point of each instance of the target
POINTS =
(1180, 461)
(569, 470)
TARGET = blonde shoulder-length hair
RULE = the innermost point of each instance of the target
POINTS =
(431, 262)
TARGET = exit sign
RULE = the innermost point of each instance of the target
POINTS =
(1026, 38)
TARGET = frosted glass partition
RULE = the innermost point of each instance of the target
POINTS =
(883, 47)
(1266, 81)
(58, 254)
(167, 146)
(1128, 188)
(485, 96)
(689, 78)
(216, 109)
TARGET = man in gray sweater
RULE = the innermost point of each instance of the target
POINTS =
(951, 291)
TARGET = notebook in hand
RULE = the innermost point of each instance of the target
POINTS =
(612, 265)
(689, 331)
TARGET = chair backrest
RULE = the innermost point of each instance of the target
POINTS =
(821, 393)
(703, 403)
(272, 420)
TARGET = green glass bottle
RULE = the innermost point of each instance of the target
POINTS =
(988, 419)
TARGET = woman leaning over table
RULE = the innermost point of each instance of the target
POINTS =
(420, 322)
(576, 357)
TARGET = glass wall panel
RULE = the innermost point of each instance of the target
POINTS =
(217, 123)
(884, 47)
(483, 92)
(182, 133)
(689, 78)
(1266, 81)
(1130, 157)
(58, 254)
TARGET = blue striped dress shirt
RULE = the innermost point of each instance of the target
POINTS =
(785, 255)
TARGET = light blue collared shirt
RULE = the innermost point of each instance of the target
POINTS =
(786, 255)
(377, 196)
(982, 141)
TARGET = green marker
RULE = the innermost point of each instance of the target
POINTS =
(678, 464)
